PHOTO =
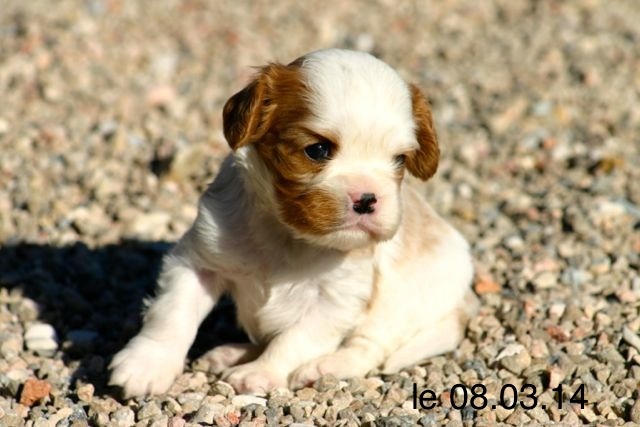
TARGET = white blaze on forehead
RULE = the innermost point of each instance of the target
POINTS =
(360, 99)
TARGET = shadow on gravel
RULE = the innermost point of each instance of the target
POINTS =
(94, 299)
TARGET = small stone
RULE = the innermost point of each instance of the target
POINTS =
(326, 383)
(484, 284)
(158, 421)
(243, 400)
(60, 415)
(99, 419)
(571, 419)
(539, 349)
(10, 345)
(41, 338)
(331, 415)
(296, 411)
(208, 412)
(575, 277)
(282, 392)
(631, 337)
(557, 309)
(33, 391)
(515, 243)
(319, 410)
(150, 225)
(176, 422)
(89, 220)
(545, 280)
(103, 405)
(556, 375)
(515, 358)
(341, 399)
(160, 96)
(85, 392)
(609, 354)
(149, 410)
(123, 417)
(557, 333)
(190, 402)
(428, 420)
(306, 393)
(272, 416)
(634, 411)
(4, 126)
(28, 310)
(588, 414)
(224, 389)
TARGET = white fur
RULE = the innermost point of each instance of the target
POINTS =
(342, 303)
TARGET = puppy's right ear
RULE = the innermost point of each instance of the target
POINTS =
(246, 114)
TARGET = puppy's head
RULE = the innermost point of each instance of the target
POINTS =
(333, 132)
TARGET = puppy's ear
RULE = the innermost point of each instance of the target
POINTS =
(246, 114)
(423, 162)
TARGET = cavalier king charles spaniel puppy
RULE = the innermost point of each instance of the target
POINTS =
(336, 266)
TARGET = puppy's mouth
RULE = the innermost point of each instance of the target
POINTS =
(363, 223)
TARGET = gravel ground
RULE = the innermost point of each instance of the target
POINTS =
(110, 126)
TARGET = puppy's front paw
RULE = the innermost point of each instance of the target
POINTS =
(145, 366)
(330, 364)
(255, 377)
(228, 355)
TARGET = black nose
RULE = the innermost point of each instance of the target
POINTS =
(365, 204)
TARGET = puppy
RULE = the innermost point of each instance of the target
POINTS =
(335, 266)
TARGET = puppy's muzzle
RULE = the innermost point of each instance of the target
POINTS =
(365, 205)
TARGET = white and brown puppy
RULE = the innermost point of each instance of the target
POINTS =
(334, 265)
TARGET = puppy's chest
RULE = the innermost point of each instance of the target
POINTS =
(270, 303)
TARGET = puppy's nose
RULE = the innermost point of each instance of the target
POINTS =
(365, 204)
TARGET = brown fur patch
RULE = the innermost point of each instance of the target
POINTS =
(375, 291)
(423, 162)
(420, 231)
(271, 112)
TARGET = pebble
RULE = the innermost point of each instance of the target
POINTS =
(85, 392)
(208, 412)
(150, 225)
(306, 393)
(224, 389)
(28, 310)
(485, 284)
(41, 338)
(10, 345)
(148, 410)
(242, 400)
(545, 280)
(176, 422)
(190, 402)
(634, 411)
(631, 338)
(33, 391)
(326, 383)
(123, 417)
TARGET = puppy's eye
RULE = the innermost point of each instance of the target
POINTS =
(319, 151)
(399, 160)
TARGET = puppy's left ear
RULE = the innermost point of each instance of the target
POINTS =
(423, 162)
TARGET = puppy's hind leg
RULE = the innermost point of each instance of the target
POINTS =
(440, 337)
(152, 359)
